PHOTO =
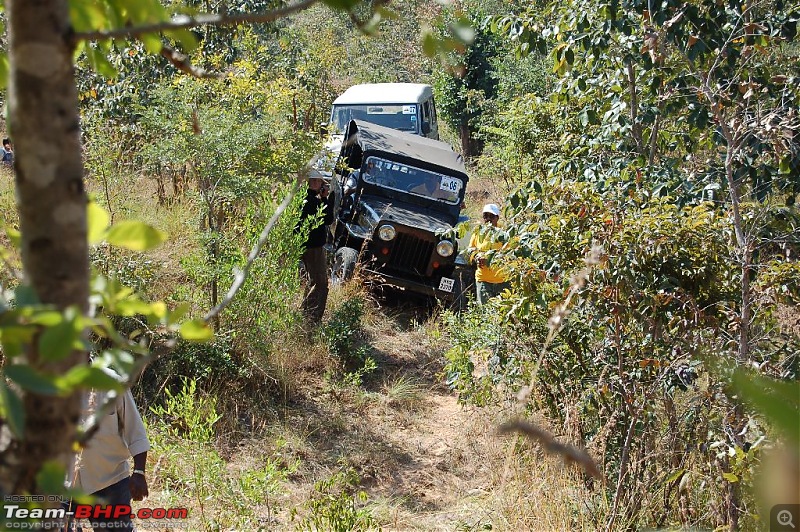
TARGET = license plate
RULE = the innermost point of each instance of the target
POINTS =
(446, 284)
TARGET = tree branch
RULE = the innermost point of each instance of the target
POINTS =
(183, 22)
(636, 127)
(182, 63)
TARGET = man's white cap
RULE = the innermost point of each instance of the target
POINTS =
(491, 208)
(313, 173)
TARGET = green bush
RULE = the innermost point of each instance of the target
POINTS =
(651, 293)
(334, 505)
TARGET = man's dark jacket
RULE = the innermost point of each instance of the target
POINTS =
(317, 236)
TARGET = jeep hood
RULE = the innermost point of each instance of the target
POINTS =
(408, 214)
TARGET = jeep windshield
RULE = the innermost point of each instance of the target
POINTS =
(402, 117)
(412, 180)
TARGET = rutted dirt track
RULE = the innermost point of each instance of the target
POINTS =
(425, 461)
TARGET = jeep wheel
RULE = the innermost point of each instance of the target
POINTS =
(344, 265)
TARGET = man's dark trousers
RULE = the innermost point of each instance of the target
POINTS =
(317, 290)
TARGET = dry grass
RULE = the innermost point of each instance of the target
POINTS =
(426, 462)
(135, 197)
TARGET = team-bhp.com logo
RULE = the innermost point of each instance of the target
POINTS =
(91, 512)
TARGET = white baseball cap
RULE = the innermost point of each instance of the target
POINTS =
(491, 208)
(313, 173)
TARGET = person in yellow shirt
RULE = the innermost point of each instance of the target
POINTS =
(489, 280)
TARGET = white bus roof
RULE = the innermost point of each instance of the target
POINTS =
(369, 93)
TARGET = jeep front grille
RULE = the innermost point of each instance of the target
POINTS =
(411, 254)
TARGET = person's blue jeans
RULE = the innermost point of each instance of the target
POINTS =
(115, 494)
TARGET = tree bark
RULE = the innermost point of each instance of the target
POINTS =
(745, 252)
(44, 123)
(466, 138)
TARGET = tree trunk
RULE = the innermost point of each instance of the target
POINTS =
(745, 258)
(44, 123)
(466, 139)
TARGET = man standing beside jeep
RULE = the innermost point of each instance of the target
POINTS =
(316, 296)
(489, 280)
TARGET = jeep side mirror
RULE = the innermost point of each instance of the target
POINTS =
(426, 128)
(323, 129)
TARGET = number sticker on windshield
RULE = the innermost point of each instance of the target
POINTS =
(450, 184)
(409, 109)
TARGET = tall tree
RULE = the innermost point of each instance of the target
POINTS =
(672, 86)
(464, 90)
(43, 116)
(40, 429)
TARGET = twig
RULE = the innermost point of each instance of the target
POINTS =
(184, 22)
(623, 470)
(568, 453)
(557, 320)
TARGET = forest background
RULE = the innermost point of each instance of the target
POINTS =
(647, 163)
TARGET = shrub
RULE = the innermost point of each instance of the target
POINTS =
(334, 505)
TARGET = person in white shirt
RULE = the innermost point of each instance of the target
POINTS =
(102, 467)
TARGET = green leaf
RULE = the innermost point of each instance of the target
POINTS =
(88, 377)
(196, 331)
(29, 379)
(11, 409)
(13, 337)
(152, 42)
(87, 15)
(430, 44)
(583, 117)
(47, 318)
(186, 38)
(730, 477)
(58, 341)
(3, 70)
(132, 307)
(50, 478)
(778, 401)
(14, 236)
(97, 219)
(785, 166)
(179, 312)
(134, 235)
(99, 61)
(674, 476)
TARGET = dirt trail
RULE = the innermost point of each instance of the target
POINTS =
(444, 453)
(425, 462)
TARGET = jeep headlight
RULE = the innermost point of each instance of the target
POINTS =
(387, 232)
(445, 248)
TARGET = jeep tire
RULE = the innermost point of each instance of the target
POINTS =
(344, 265)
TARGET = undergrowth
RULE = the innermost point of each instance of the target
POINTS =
(190, 468)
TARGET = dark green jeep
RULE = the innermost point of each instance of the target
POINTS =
(398, 199)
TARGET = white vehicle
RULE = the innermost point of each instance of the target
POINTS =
(405, 107)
